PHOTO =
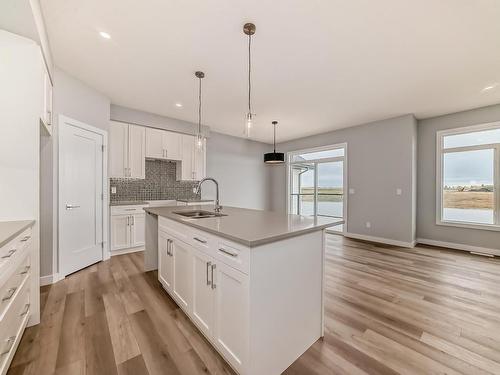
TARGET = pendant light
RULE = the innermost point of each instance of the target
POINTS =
(249, 29)
(199, 134)
(274, 157)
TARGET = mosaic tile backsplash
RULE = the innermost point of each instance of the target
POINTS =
(160, 183)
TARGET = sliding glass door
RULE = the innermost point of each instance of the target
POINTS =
(316, 179)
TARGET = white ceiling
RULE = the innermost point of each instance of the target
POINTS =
(318, 65)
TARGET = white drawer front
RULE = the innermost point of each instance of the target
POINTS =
(233, 255)
(11, 289)
(14, 250)
(127, 210)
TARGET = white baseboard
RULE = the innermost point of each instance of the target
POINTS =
(50, 279)
(459, 246)
(382, 240)
(126, 251)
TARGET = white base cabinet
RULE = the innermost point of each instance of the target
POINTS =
(261, 308)
(127, 227)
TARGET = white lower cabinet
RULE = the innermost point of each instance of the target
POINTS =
(213, 294)
(127, 225)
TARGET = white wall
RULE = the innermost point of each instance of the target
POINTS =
(78, 101)
(238, 165)
(426, 213)
(381, 158)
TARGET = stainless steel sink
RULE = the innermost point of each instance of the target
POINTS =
(198, 214)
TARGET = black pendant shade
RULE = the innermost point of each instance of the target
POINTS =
(274, 157)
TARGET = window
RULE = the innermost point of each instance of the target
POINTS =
(468, 173)
(316, 182)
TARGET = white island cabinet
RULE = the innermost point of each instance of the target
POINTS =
(257, 297)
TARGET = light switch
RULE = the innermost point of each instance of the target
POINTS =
(368, 224)
(351, 191)
(399, 191)
(113, 189)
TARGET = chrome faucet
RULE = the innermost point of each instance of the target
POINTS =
(218, 207)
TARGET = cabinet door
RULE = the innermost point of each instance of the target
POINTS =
(137, 151)
(203, 294)
(165, 262)
(154, 144)
(137, 230)
(118, 149)
(200, 161)
(172, 144)
(187, 162)
(47, 99)
(120, 232)
(183, 290)
(231, 314)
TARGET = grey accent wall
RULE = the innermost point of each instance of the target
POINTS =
(238, 165)
(78, 101)
(381, 158)
(426, 214)
(160, 183)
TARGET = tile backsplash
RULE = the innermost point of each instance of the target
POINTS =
(160, 183)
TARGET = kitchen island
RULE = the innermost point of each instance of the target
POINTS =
(250, 280)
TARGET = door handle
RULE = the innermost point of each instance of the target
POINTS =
(71, 206)
(9, 294)
(9, 254)
(208, 266)
(10, 342)
(213, 284)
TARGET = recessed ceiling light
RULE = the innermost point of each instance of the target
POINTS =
(490, 87)
(104, 34)
(178, 105)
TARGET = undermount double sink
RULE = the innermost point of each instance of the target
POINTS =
(199, 214)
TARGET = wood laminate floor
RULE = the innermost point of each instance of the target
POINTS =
(388, 310)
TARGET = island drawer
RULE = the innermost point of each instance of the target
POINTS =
(15, 247)
(233, 255)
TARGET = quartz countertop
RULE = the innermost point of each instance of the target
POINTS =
(10, 229)
(127, 203)
(248, 227)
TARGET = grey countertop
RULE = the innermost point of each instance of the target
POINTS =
(249, 227)
(10, 229)
(127, 203)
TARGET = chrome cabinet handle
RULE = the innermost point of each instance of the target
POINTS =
(213, 284)
(128, 219)
(26, 310)
(199, 240)
(9, 254)
(230, 253)
(133, 219)
(9, 295)
(10, 342)
(26, 270)
(71, 206)
(26, 238)
(169, 247)
(208, 266)
(49, 120)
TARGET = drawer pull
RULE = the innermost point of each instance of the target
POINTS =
(199, 240)
(130, 209)
(25, 271)
(9, 254)
(230, 253)
(25, 238)
(10, 343)
(9, 295)
(213, 267)
(26, 310)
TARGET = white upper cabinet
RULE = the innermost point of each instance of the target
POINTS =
(162, 144)
(127, 150)
(192, 166)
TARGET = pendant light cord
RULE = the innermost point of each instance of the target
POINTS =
(249, 73)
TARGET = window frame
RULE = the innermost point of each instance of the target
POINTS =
(441, 151)
(290, 163)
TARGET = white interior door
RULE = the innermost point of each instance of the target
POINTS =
(80, 198)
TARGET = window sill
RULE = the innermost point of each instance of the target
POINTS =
(459, 224)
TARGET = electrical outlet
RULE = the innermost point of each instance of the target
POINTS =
(368, 224)
(399, 191)
(351, 191)
(113, 189)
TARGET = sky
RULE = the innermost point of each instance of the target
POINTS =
(469, 168)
